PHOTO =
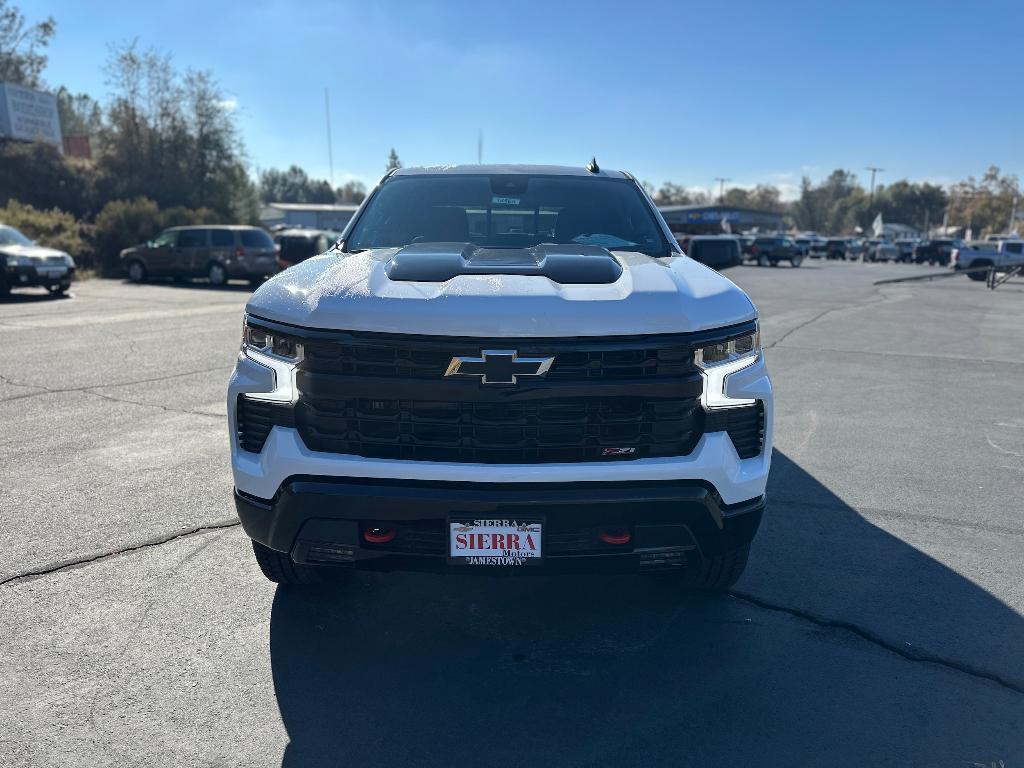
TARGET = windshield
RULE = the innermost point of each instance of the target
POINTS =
(11, 236)
(509, 211)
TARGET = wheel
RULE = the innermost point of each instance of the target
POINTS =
(718, 573)
(796, 261)
(775, 262)
(217, 274)
(58, 291)
(256, 282)
(763, 260)
(979, 276)
(281, 569)
(136, 271)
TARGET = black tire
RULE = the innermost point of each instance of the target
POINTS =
(281, 569)
(763, 260)
(58, 291)
(796, 261)
(718, 573)
(5, 288)
(217, 274)
(256, 282)
(979, 276)
(136, 271)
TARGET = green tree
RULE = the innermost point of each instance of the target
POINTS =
(393, 161)
(80, 114)
(37, 174)
(171, 136)
(293, 186)
(352, 192)
(983, 206)
(21, 46)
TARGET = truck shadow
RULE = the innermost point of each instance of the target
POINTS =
(431, 670)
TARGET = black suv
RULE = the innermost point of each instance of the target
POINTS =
(219, 253)
(296, 245)
(935, 251)
(716, 251)
(770, 250)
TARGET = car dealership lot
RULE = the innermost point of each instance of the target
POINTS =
(879, 620)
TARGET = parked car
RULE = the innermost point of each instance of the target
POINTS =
(716, 251)
(769, 250)
(937, 251)
(468, 400)
(23, 264)
(746, 243)
(906, 249)
(218, 253)
(296, 245)
(881, 250)
(999, 254)
(838, 248)
(802, 246)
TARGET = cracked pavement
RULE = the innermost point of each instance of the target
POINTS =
(879, 621)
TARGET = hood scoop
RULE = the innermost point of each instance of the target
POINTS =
(568, 264)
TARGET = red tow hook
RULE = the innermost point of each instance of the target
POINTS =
(618, 534)
(377, 534)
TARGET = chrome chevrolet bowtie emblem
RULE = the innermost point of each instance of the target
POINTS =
(499, 366)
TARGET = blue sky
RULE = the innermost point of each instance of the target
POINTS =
(757, 92)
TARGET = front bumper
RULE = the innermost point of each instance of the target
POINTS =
(321, 521)
(30, 276)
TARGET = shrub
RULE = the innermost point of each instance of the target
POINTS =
(123, 223)
(53, 228)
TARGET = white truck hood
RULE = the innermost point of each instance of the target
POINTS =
(353, 292)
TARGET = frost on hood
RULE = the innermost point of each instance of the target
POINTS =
(346, 278)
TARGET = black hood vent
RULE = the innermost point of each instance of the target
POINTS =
(568, 264)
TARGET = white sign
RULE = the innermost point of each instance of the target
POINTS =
(29, 115)
(495, 542)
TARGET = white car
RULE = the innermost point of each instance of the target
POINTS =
(881, 250)
(502, 367)
(23, 264)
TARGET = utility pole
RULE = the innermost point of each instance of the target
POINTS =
(721, 187)
(330, 149)
(871, 196)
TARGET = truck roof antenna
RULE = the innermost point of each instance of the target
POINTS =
(592, 166)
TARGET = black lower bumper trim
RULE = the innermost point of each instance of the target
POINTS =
(322, 520)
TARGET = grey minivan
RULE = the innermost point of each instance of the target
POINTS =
(217, 252)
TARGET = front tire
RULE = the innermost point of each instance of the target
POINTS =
(58, 291)
(136, 271)
(217, 274)
(796, 261)
(763, 260)
(279, 567)
(718, 573)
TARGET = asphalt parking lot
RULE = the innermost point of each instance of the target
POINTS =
(879, 622)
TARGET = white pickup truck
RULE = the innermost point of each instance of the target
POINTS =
(977, 254)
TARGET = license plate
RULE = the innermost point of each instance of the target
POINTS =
(494, 542)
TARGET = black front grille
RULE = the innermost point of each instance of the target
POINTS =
(745, 426)
(603, 399)
(546, 431)
(406, 359)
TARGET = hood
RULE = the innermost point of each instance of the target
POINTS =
(35, 252)
(353, 292)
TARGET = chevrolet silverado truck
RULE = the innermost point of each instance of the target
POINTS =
(503, 368)
(974, 256)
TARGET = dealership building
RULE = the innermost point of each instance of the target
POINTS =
(715, 219)
(310, 215)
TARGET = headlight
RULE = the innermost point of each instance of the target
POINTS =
(280, 353)
(717, 361)
(68, 261)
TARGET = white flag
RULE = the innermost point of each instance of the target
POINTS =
(877, 228)
(726, 226)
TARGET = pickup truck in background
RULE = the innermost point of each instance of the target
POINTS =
(981, 253)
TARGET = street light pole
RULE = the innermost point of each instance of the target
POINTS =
(721, 187)
(871, 196)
